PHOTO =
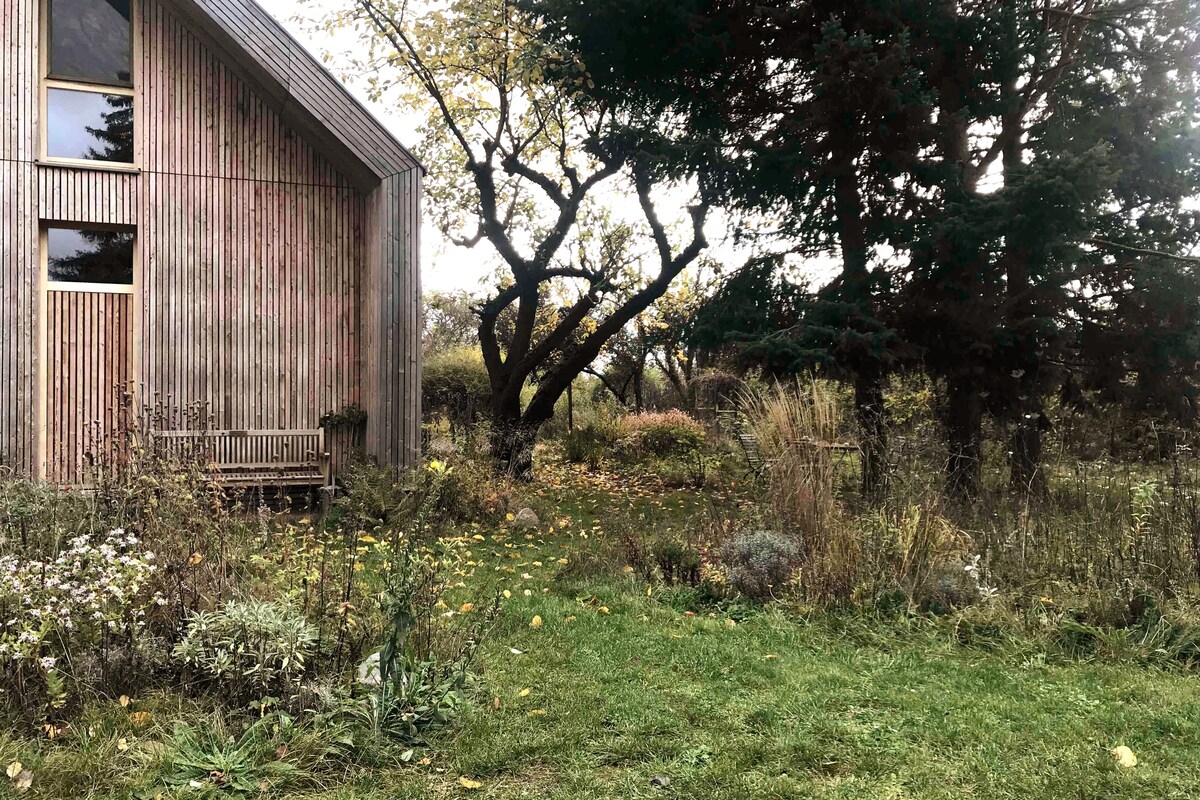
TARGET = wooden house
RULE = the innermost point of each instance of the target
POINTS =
(195, 214)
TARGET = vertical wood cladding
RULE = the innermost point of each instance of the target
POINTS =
(255, 253)
(87, 358)
(18, 234)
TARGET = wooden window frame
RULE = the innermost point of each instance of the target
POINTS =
(47, 83)
(83, 286)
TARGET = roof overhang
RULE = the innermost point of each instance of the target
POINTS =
(301, 89)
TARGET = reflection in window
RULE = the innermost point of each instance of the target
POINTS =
(91, 40)
(90, 256)
(89, 125)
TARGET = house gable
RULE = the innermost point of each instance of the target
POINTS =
(311, 99)
(276, 270)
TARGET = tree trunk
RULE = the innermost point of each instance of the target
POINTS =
(571, 406)
(514, 432)
(512, 442)
(869, 410)
(864, 358)
(1025, 463)
(1025, 448)
(964, 437)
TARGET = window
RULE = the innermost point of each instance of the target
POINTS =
(89, 255)
(91, 41)
(89, 81)
(89, 125)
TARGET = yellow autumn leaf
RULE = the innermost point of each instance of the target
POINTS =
(507, 594)
(1124, 757)
(510, 517)
(604, 610)
(467, 783)
(524, 693)
(139, 718)
(536, 622)
(571, 618)
(368, 539)
(122, 745)
(466, 608)
(14, 769)
(124, 701)
(195, 559)
(538, 712)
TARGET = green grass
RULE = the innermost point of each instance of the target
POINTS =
(737, 703)
(778, 708)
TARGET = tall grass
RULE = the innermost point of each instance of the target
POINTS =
(794, 426)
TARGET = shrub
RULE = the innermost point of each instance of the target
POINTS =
(376, 499)
(457, 382)
(249, 649)
(664, 433)
(760, 563)
(71, 609)
(588, 444)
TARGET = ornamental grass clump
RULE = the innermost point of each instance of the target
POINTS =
(794, 426)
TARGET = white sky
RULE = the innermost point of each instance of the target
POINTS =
(445, 266)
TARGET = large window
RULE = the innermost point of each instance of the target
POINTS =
(95, 256)
(89, 81)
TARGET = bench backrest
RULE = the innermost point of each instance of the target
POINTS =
(247, 451)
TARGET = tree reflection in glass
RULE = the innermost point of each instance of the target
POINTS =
(89, 126)
(90, 256)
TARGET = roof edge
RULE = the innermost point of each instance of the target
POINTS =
(306, 92)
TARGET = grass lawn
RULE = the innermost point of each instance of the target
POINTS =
(623, 691)
(647, 701)
(777, 708)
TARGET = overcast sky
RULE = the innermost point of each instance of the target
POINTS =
(446, 267)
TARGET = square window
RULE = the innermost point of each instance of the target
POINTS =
(91, 41)
(89, 255)
(89, 125)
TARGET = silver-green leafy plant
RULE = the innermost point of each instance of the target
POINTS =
(760, 564)
(250, 649)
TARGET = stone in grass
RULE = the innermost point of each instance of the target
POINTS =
(660, 781)
(527, 520)
(368, 671)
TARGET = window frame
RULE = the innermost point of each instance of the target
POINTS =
(47, 83)
(80, 286)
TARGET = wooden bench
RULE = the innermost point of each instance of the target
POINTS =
(254, 458)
